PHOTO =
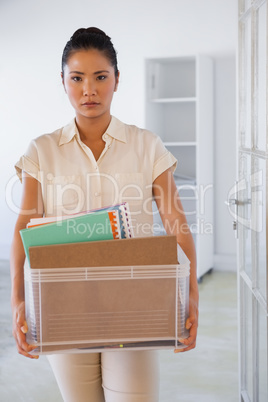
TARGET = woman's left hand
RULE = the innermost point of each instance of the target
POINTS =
(175, 223)
(191, 324)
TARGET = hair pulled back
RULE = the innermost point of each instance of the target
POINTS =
(90, 38)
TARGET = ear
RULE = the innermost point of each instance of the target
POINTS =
(116, 82)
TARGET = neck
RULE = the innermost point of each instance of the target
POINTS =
(91, 129)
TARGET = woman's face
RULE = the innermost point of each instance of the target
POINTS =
(89, 81)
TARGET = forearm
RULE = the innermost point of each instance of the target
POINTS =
(17, 258)
(31, 206)
(175, 223)
(185, 240)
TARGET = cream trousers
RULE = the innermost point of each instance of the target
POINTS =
(114, 376)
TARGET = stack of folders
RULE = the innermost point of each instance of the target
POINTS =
(113, 222)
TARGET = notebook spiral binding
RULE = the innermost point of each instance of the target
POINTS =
(125, 216)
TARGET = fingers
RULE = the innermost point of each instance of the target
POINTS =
(24, 328)
(190, 342)
(188, 323)
(192, 346)
(22, 346)
(24, 349)
(20, 328)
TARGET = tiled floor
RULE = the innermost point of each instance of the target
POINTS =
(207, 374)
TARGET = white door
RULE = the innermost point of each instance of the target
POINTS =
(251, 200)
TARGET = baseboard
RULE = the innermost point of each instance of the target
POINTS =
(4, 251)
(225, 262)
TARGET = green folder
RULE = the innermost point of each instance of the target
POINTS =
(90, 227)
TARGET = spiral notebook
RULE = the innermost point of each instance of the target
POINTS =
(102, 225)
(108, 223)
(121, 212)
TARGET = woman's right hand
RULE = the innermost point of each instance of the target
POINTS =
(20, 328)
(31, 207)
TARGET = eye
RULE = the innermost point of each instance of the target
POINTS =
(101, 77)
(76, 78)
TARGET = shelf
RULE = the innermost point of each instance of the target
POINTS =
(173, 100)
(184, 180)
(179, 108)
(180, 143)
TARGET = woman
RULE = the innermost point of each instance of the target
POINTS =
(95, 161)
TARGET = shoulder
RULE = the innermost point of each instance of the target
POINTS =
(48, 138)
(135, 133)
(56, 138)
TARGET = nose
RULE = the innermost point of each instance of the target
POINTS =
(89, 88)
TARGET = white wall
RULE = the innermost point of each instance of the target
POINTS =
(33, 34)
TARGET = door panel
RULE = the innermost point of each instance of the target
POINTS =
(259, 197)
(262, 355)
(245, 72)
(252, 200)
(244, 214)
(261, 84)
(246, 342)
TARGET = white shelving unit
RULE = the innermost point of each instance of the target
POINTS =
(179, 108)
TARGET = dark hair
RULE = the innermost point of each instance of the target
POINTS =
(90, 38)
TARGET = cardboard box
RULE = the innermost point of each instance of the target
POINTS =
(81, 308)
(154, 250)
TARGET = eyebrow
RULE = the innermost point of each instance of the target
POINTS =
(96, 72)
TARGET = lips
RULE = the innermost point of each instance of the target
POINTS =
(90, 104)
